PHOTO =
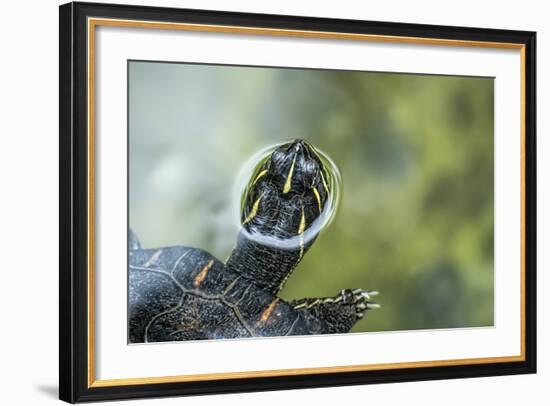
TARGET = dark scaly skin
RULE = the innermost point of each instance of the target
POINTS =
(182, 293)
(170, 302)
(279, 214)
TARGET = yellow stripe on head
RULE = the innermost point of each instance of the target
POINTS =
(316, 152)
(288, 182)
(262, 173)
(301, 229)
(302, 225)
(316, 193)
(325, 185)
(254, 210)
(324, 181)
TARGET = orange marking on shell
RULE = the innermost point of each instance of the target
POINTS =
(202, 274)
(267, 312)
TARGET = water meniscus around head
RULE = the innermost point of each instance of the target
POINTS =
(287, 194)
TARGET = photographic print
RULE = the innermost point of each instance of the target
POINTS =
(272, 201)
(259, 202)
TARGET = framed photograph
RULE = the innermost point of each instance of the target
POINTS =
(254, 202)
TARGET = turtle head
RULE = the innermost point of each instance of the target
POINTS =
(288, 192)
(289, 198)
(296, 168)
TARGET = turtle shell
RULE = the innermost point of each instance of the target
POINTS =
(183, 293)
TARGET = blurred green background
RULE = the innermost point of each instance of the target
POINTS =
(415, 153)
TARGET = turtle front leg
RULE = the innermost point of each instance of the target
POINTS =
(335, 314)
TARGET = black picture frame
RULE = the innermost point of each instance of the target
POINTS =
(74, 382)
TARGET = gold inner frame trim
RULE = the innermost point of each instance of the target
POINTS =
(94, 22)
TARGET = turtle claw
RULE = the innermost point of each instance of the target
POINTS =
(360, 299)
(373, 306)
(370, 293)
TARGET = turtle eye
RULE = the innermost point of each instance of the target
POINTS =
(310, 168)
(310, 171)
(277, 158)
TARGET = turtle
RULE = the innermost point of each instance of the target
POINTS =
(179, 293)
